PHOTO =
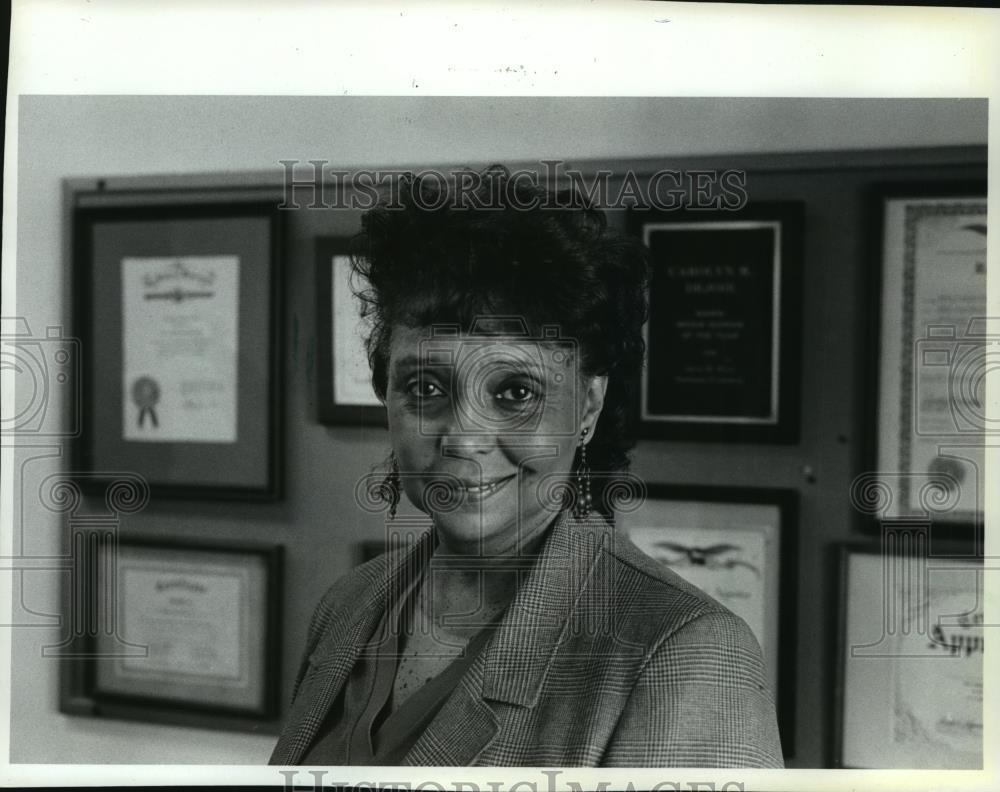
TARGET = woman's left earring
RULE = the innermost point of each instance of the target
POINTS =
(583, 501)
(391, 488)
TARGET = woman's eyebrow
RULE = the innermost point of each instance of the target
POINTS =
(421, 361)
(409, 361)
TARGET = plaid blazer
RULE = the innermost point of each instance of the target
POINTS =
(604, 658)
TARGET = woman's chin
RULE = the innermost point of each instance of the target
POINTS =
(468, 533)
(482, 533)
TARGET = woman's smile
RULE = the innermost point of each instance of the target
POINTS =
(480, 491)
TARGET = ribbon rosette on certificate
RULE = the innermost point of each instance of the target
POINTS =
(180, 348)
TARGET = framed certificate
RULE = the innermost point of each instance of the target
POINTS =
(910, 659)
(178, 310)
(345, 394)
(722, 340)
(179, 633)
(932, 357)
(737, 545)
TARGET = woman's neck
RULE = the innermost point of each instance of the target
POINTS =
(464, 591)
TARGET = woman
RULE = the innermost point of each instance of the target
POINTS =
(521, 629)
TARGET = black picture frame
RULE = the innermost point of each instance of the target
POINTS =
(723, 341)
(786, 504)
(246, 464)
(363, 409)
(894, 365)
(907, 551)
(98, 635)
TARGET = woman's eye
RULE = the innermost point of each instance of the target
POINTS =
(424, 389)
(516, 393)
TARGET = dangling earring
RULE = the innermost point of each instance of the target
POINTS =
(581, 475)
(390, 489)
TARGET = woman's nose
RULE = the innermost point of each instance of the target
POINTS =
(465, 434)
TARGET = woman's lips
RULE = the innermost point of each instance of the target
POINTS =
(480, 491)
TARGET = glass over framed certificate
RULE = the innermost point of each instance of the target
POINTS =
(910, 673)
(181, 633)
(345, 393)
(933, 352)
(722, 340)
(178, 308)
(737, 545)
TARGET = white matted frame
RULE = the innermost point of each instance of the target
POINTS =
(929, 255)
(910, 656)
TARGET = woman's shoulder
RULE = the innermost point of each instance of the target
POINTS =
(361, 585)
(656, 600)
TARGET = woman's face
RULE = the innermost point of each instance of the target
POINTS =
(485, 428)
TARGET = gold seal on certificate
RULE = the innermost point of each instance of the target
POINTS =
(146, 395)
(180, 348)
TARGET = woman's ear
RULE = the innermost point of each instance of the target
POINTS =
(593, 401)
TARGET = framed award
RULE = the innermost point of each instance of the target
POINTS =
(178, 311)
(722, 340)
(910, 655)
(344, 392)
(932, 356)
(177, 632)
(739, 546)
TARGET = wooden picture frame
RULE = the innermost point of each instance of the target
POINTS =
(344, 390)
(740, 546)
(723, 336)
(178, 308)
(173, 631)
(930, 351)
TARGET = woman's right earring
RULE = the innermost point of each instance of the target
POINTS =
(584, 500)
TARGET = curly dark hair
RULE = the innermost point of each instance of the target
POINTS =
(499, 245)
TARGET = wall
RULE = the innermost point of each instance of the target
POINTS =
(62, 137)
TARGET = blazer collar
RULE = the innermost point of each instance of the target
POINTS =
(513, 666)
(539, 619)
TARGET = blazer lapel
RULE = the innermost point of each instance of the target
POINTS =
(462, 729)
(512, 666)
(351, 628)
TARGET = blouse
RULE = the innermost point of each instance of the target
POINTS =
(361, 728)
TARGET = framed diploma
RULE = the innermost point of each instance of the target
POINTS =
(933, 353)
(737, 545)
(722, 340)
(179, 633)
(910, 670)
(345, 394)
(178, 309)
